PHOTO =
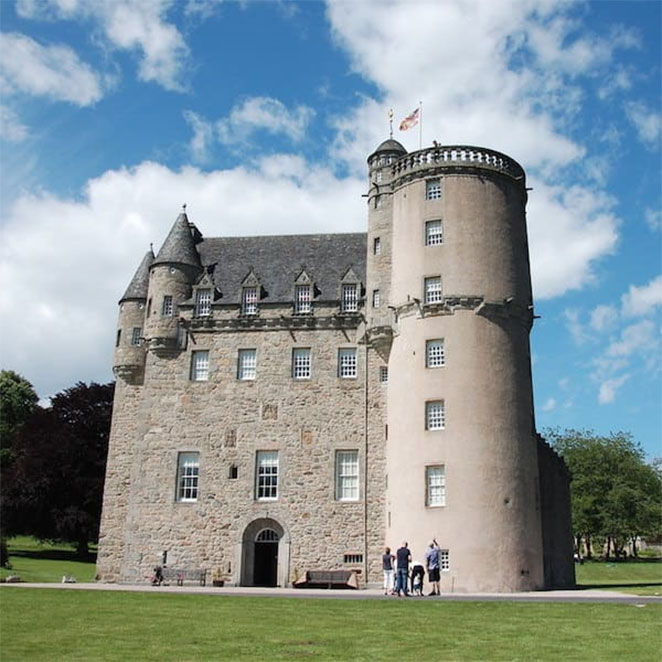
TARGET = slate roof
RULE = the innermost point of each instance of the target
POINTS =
(278, 260)
(179, 246)
(390, 145)
(138, 286)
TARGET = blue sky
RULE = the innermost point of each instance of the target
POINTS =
(260, 115)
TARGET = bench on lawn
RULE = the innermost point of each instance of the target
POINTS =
(181, 575)
(328, 579)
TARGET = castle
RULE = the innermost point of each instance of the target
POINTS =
(295, 403)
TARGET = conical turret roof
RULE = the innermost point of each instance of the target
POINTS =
(179, 246)
(390, 145)
(138, 286)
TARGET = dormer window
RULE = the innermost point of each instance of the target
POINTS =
(349, 301)
(302, 300)
(203, 303)
(249, 301)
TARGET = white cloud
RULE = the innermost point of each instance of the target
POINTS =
(608, 388)
(90, 248)
(642, 300)
(203, 136)
(635, 338)
(549, 405)
(648, 123)
(574, 325)
(130, 26)
(11, 127)
(653, 218)
(603, 317)
(55, 72)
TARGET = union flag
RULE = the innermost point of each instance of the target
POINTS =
(410, 120)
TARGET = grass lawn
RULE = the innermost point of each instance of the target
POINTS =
(36, 561)
(49, 624)
(639, 577)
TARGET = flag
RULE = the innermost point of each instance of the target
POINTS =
(410, 120)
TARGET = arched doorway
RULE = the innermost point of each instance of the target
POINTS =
(265, 569)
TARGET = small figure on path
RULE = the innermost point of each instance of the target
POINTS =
(403, 557)
(389, 573)
(417, 574)
(432, 564)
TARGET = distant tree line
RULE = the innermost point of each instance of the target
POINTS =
(53, 460)
(616, 495)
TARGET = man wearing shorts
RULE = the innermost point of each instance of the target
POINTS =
(432, 563)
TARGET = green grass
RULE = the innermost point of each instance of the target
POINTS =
(49, 624)
(41, 561)
(640, 577)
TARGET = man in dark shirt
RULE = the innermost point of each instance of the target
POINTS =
(403, 557)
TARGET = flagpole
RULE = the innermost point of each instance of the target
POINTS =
(420, 125)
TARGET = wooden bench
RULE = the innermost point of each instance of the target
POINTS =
(181, 575)
(328, 579)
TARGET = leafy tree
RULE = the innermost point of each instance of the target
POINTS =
(54, 489)
(616, 496)
(17, 401)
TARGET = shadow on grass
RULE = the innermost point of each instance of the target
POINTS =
(54, 555)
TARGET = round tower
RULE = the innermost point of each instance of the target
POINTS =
(129, 359)
(171, 277)
(461, 449)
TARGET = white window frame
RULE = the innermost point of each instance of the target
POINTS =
(347, 363)
(349, 298)
(347, 475)
(200, 365)
(444, 560)
(435, 415)
(167, 307)
(246, 364)
(136, 334)
(203, 302)
(383, 374)
(435, 353)
(432, 290)
(376, 299)
(249, 296)
(301, 363)
(433, 189)
(303, 300)
(435, 486)
(188, 476)
(266, 476)
(434, 233)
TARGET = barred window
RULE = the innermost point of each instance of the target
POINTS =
(266, 475)
(347, 363)
(352, 558)
(347, 475)
(433, 233)
(349, 303)
(435, 477)
(188, 470)
(166, 309)
(302, 299)
(246, 364)
(444, 560)
(376, 299)
(433, 189)
(203, 303)
(435, 418)
(434, 353)
(200, 366)
(301, 363)
(249, 301)
(432, 292)
(135, 336)
(383, 374)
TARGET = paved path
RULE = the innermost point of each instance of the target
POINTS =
(579, 595)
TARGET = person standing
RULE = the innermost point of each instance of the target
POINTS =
(389, 573)
(403, 557)
(432, 564)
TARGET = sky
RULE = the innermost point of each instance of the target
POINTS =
(260, 116)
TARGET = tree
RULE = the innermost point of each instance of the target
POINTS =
(615, 495)
(54, 488)
(17, 401)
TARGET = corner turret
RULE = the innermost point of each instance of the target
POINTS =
(129, 360)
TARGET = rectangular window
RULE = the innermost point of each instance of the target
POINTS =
(246, 364)
(433, 233)
(376, 299)
(203, 303)
(135, 336)
(302, 299)
(200, 366)
(383, 374)
(435, 418)
(434, 353)
(118, 337)
(377, 246)
(188, 470)
(432, 292)
(352, 558)
(349, 303)
(436, 486)
(433, 189)
(266, 475)
(166, 308)
(347, 475)
(301, 363)
(249, 301)
(347, 363)
(444, 560)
